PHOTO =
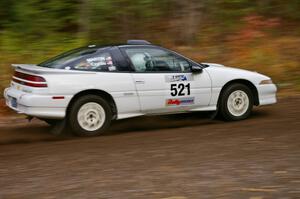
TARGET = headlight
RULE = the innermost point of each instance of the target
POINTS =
(267, 81)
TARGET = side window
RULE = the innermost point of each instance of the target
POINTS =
(156, 60)
(96, 62)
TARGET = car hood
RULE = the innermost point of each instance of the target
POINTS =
(220, 73)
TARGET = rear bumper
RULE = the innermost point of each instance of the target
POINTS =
(36, 105)
(267, 94)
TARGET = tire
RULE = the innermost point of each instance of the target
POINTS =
(236, 102)
(90, 115)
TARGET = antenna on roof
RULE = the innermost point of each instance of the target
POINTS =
(138, 42)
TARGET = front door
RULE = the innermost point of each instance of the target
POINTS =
(164, 82)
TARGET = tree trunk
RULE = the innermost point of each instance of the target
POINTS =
(84, 19)
(187, 18)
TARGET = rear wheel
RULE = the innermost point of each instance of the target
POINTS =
(90, 115)
(236, 102)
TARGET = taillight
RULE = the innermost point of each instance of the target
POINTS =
(29, 80)
(28, 77)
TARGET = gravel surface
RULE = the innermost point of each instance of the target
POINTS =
(171, 157)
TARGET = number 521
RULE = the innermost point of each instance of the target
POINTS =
(180, 89)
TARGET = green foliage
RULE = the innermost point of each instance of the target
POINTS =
(228, 31)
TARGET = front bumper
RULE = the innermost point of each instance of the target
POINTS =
(267, 94)
(36, 105)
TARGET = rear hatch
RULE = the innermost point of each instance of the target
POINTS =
(33, 79)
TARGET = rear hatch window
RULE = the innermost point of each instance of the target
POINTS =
(69, 58)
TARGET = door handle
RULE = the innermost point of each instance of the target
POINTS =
(139, 81)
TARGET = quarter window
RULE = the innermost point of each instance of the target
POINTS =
(90, 59)
(98, 62)
(156, 60)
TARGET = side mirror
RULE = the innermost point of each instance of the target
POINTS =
(196, 69)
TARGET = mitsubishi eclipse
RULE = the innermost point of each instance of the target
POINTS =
(89, 87)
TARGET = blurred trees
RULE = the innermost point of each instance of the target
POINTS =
(228, 31)
(106, 20)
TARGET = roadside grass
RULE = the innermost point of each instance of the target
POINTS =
(277, 57)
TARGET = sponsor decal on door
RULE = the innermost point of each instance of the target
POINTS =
(178, 78)
(180, 101)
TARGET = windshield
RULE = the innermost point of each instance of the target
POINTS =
(67, 58)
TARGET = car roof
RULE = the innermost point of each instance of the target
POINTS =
(129, 43)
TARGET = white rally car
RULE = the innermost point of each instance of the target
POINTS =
(90, 86)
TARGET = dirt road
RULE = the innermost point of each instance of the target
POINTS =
(174, 157)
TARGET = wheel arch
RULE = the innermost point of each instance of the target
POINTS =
(245, 82)
(97, 92)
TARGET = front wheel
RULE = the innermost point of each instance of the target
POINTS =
(90, 115)
(236, 102)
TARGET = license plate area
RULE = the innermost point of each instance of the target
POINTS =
(13, 101)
